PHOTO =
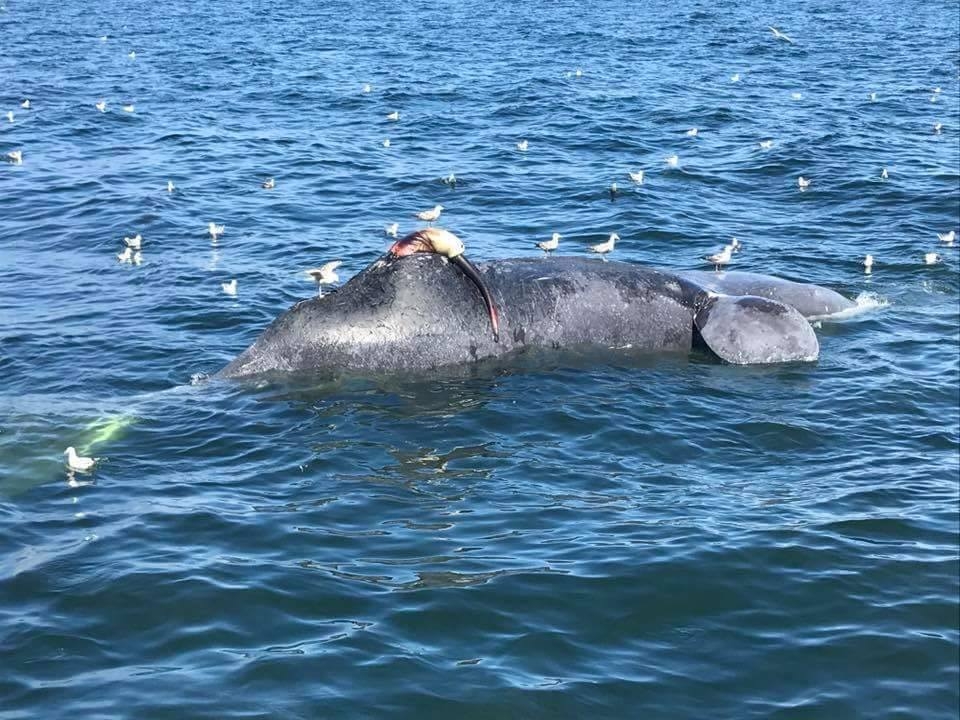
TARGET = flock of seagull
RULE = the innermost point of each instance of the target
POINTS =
(326, 274)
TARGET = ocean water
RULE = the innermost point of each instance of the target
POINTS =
(663, 538)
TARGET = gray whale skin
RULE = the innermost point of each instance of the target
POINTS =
(420, 312)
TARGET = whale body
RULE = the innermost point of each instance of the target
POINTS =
(419, 312)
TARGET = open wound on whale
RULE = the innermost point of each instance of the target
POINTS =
(445, 243)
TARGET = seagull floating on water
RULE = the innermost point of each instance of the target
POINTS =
(884, 174)
(873, 97)
(215, 230)
(803, 183)
(10, 115)
(170, 186)
(132, 55)
(578, 72)
(605, 247)
(637, 176)
(394, 116)
(128, 108)
(948, 238)
(101, 106)
(126, 255)
(796, 95)
(450, 179)
(693, 132)
(78, 462)
(931, 258)
(366, 88)
(735, 77)
(430, 216)
(779, 35)
(391, 230)
(325, 275)
(721, 258)
(133, 242)
(25, 104)
(16, 157)
(551, 244)
(268, 184)
(230, 288)
(613, 190)
(672, 161)
(522, 145)
(766, 144)
(868, 264)
(937, 127)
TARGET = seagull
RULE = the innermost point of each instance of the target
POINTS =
(16, 157)
(230, 288)
(133, 242)
(937, 128)
(101, 106)
(779, 35)
(721, 258)
(796, 95)
(766, 144)
(931, 258)
(366, 88)
(605, 247)
(268, 184)
(551, 244)
(128, 108)
(673, 160)
(25, 104)
(430, 216)
(735, 77)
(215, 230)
(873, 97)
(948, 238)
(78, 462)
(937, 91)
(693, 132)
(884, 174)
(637, 176)
(126, 255)
(450, 179)
(578, 72)
(103, 38)
(394, 116)
(386, 142)
(10, 115)
(325, 275)
(170, 186)
(391, 230)
(803, 183)
(132, 55)
(522, 145)
(613, 190)
(867, 264)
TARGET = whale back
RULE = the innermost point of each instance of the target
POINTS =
(421, 312)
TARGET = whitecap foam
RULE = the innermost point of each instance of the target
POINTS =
(863, 303)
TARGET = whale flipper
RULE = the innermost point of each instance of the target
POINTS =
(751, 330)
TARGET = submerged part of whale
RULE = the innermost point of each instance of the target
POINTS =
(419, 312)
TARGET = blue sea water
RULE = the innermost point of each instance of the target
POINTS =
(669, 538)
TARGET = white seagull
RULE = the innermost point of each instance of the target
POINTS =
(386, 142)
(931, 258)
(693, 132)
(16, 157)
(394, 116)
(430, 216)
(937, 127)
(268, 184)
(325, 275)
(637, 176)
(605, 247)
(796, 95)
(230, 288)
(884, 174)
(133, 242)
(766, 144)
(522, 145)
(392, 230)
(101, 106)
(551, 244)
(873, 97)
(868, 264)
(948, 238)
(128, 108)
(215, 230)
(803, 183)
(132, 55)
(170, 186)
(735, 77)
(366, 88)
(779, 35)
(721, 258)
(126, 255)
(10, 115)
(672, 161)
(78, 462)
(25, 104)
